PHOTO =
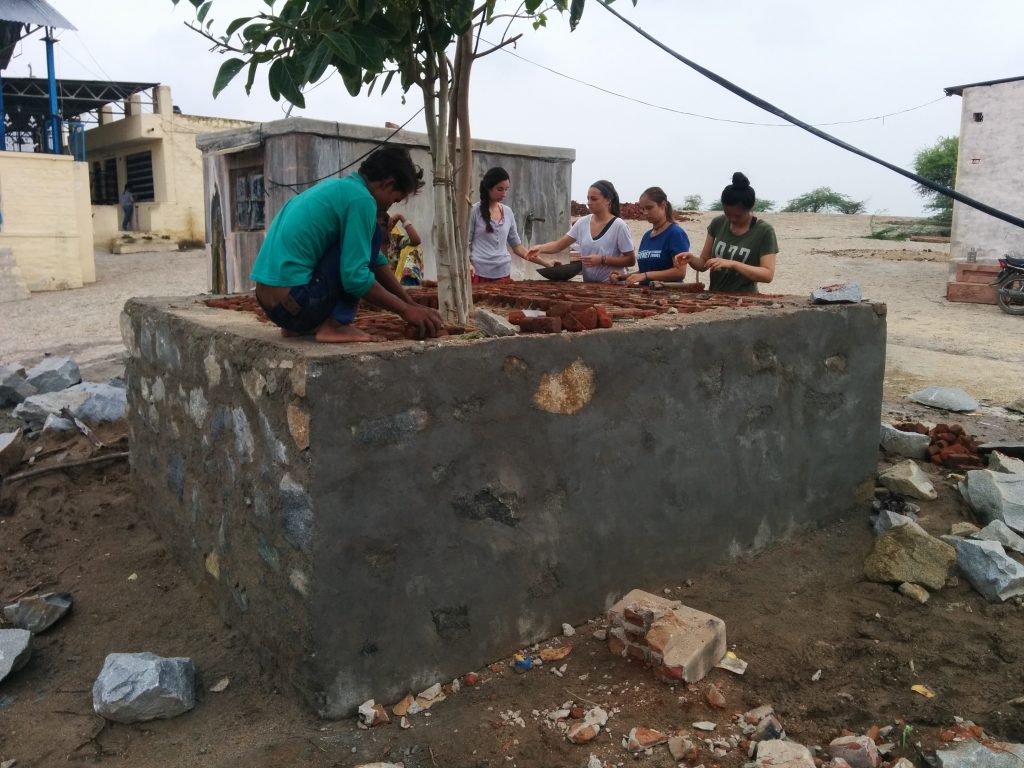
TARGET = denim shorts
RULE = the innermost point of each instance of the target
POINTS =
(309, 305)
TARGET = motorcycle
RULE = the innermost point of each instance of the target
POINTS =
(1010, 285)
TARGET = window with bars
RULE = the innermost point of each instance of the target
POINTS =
(248, 199)
(103, 182)
(139, 169)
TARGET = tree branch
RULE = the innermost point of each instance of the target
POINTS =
(497, 47)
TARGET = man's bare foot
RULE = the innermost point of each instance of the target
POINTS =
(333, 332)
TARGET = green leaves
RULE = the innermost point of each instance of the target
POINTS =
(282, 83)
(226, 74)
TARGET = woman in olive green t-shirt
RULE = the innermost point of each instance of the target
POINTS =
(740, 249)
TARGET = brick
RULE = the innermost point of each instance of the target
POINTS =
(587, 318)
(636, 652)
(616, 643)
(571, 324)
(633, 632)
(538, 324)
(516, 316)
(689, 641)
(559, 309)
(604, 320)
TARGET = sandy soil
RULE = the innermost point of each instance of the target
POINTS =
(931, 341)
(790, 611)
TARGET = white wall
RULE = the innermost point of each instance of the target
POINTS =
(990, 168)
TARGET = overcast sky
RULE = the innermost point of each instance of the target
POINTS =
(820, 61)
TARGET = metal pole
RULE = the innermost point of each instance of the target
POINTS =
(3, 117)
(55, 142)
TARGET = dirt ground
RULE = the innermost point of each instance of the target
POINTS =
(790, 611)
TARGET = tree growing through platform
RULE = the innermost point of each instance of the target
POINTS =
(430, 45)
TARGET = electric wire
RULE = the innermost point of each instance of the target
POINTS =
(768, 107)
(295, 185)
(710, 117)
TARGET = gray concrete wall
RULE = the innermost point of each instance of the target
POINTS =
(441, 520)
(990, 168)
(301, 150)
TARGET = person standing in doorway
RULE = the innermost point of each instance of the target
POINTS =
(127, 207)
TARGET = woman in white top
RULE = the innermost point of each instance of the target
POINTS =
(492, 231)
(605, 243)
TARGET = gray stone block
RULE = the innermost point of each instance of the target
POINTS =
(989, 569)
(1000, 462)
(13, 386)
(945, 398)
(135, 687)
(39, 612)
(999, 531)
(910, 444)
(493, 324)
(888, 519)
(907, 479)
(857, 751)
(34, 410)
(972, 754)
(843, 293)
(12, 451)
(908, 553)
(107, 404)
(15, 648)
(54, 374)
(775, 753)
(996, 496)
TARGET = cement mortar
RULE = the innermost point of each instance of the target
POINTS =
(377, 518)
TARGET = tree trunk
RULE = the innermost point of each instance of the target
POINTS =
(460, 121)
(454, 295)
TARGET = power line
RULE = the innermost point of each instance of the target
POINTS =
(367, 153)
(710, 117)
(768, 107)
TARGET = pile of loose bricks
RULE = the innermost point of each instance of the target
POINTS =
(680, 643)
(566, 306)
(950, 445)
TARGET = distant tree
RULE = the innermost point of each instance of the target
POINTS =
(693, 203)
(760, 206)
(824, 200)
(938, 163)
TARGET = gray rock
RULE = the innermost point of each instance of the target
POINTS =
(12, 451)
(1000, 462)
(13, 387)
(39, 612)
(843, 293)
(857, 751)
(135, 687)
(910, 444)
(493, 324)
(768, 728)
(54, 374)
(15, 648)
(55, 423)
(996, 496)
(907, 479)
(945, 398)
(973, 754)
(106, 405)
(999, 531)
(989, 569)
(1017, 406)
(908, 553)
(34, 410)
(887, 520)
(774, 753)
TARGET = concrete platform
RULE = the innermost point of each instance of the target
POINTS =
(376, 518)
(142, 242)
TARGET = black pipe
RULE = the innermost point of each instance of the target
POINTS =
(759, 102)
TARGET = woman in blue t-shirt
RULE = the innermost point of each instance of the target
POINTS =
(659, 244)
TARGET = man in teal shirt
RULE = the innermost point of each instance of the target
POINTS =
(322, 254)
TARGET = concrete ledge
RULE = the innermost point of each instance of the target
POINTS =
(143, 245)
(376, 518)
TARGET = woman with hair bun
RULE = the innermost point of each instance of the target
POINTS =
(606, 244)
(740, 249)
(492, 231)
